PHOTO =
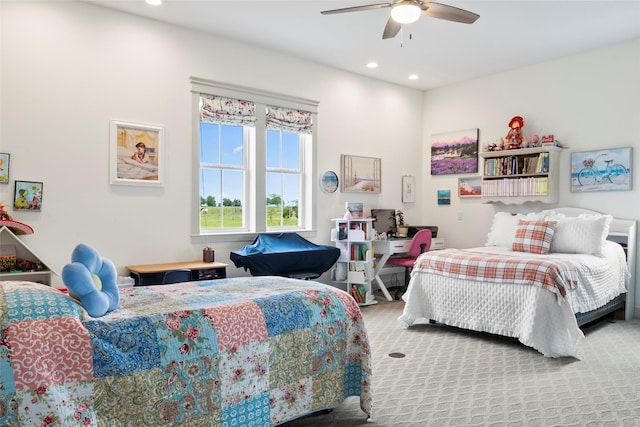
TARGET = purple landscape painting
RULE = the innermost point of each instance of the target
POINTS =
(454, 152)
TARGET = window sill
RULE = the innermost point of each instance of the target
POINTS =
(244, 236)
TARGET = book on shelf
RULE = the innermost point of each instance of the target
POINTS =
(517, 165)
(354, 293)
(543, 163)
(360, 252)
(359, 293)
(342, 231)
(526, 186)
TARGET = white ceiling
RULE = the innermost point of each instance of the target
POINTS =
(509, 34)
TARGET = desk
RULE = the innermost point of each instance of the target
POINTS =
(150, 274)
(386, 248)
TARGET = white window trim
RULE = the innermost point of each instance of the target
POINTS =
(200, 86)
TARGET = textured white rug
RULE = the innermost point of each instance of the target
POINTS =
(452, 377)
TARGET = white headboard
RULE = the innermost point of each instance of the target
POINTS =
(622, 231)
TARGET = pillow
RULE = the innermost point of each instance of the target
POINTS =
(91, 279)
(533, 236)
(503, 228)
(584, 234)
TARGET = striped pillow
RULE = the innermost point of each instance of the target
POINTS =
(533, 236)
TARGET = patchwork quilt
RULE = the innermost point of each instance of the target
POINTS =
(243, 351)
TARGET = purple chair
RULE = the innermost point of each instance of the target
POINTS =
(420, 243)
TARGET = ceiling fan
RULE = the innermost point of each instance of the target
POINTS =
(408, 11)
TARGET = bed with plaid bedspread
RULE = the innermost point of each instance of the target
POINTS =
(243, 351)
(531, 297)
(555, 275)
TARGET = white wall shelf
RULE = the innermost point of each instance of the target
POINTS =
(521, 175)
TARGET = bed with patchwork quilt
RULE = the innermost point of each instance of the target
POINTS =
(242, 351)
(540, 277)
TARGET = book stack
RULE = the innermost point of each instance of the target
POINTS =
(359, 293)
(359, 252)
(517, 165)
(531, 186)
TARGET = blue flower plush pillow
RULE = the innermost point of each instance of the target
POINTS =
(92, 280)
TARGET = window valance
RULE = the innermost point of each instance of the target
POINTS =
(228, 111)
(288, 120)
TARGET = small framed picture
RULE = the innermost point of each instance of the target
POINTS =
(137, 155)
(4, 168)
(470, 187)
(444, 197)
(408, 189)
(329, 182)
(28, 196)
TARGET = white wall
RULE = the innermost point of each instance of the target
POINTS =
(68, 68)
(588, 101)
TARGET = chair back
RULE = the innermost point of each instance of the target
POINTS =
(176, 276)
(420, 243)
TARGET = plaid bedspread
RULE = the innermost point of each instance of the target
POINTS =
(552, 274)
(246, 351)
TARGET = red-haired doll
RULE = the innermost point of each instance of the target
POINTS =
(514, 137)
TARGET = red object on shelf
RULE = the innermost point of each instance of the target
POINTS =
(16, 226)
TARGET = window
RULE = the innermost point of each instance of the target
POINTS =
(223, 172)
(255, 161)
(284, 178)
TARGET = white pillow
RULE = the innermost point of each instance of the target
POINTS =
(584, 234)
(503, 228)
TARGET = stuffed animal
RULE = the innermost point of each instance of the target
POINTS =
(92, 280)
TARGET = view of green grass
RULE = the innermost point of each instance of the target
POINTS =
(232, 217)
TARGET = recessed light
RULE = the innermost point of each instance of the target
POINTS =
(413, 77)
(372, 64)
(154, 2)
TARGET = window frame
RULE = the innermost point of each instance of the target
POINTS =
(300, 173)
(248, 133)
(255, 193)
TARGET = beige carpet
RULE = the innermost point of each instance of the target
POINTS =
(452, 377)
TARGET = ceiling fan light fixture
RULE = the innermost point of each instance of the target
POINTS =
(405, 12)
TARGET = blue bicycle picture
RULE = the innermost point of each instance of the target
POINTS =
(603, 170)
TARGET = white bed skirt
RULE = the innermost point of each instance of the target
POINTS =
(533, 315)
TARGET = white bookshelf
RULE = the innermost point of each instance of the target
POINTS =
(521, 175)
(354, 271)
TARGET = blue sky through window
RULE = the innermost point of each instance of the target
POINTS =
(221, 145)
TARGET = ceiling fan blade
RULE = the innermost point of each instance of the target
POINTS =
(357, 8)
(391, 29)
(450, 13)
